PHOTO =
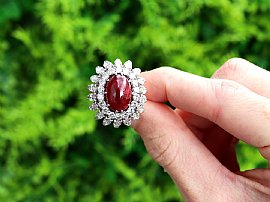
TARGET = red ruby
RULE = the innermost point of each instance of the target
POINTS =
(118, 92)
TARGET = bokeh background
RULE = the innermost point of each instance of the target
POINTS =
(51, 147)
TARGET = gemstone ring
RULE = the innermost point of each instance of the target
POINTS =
(117, 93)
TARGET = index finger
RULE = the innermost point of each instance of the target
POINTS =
(230, 105)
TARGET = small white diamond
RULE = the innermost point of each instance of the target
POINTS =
(143, 99)
(101, 89)
(117, 123)
(118, 115)
(135, 83)
(102, 104)
(125, 115)
(136, 71)
(92, 88)
(136, 90)
(140, 108)
(102, 82)
(111, 70)
(112, 115)
(106, 111)
(100, 97)
(91, 97)
(107, 64)
(106, 121)
(99, 70)
(128, 64)
(136, 115)
(93, 107)
(99, 115)
(118, 69)
(130, 110)
(126, 71)
(133, 103)
(105, 75)
(118, 63)
(132, 76)
(136, 97)
(143, 90)
(141, 80)
(127, 121)
(94, 78)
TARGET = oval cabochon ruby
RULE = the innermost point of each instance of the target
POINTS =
(118, 92)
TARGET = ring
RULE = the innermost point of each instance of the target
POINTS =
(117, 93)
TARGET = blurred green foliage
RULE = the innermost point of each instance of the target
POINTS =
(51, 148)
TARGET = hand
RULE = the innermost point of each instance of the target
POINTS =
(195, 142)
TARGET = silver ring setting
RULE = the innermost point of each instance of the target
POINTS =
(117, 93)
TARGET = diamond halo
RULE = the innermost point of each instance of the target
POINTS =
(98, 93)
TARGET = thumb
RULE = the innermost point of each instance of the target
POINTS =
(171, 143)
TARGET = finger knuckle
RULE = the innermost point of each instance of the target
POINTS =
(169, 73)
(233, 67)
(222, 90)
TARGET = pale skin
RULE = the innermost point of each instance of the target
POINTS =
(195, 142)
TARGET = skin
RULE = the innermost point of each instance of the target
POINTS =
(195, 141)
